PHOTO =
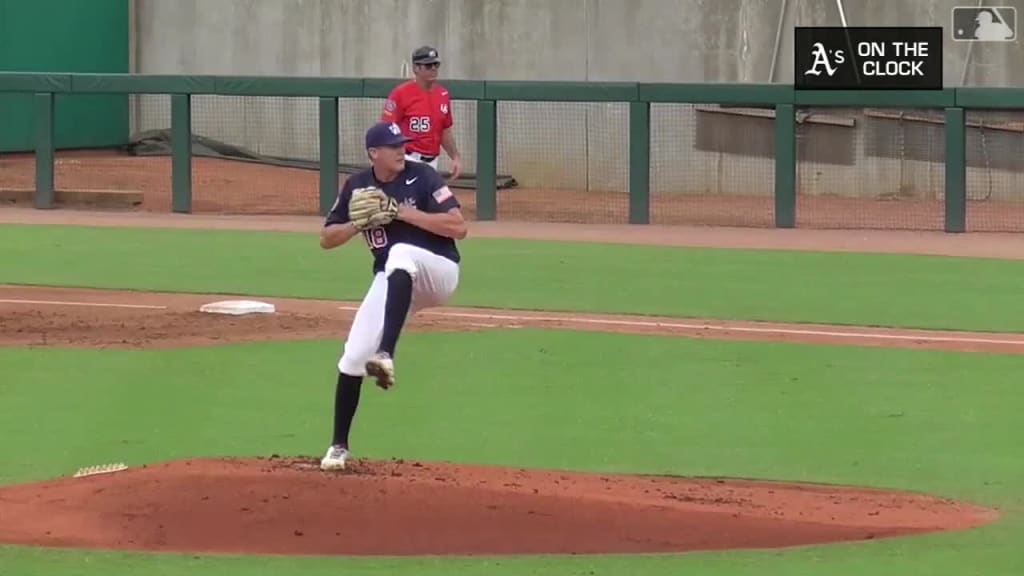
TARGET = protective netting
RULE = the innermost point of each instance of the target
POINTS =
(712, 165)
(355, 115)
(465, 126)
(281, 131)
(870, 168)
(876, 168)
(108, 176)
(570, 162)
(149, 112)
(995, 170)
(92, 170)
(17, 178)
(261, 154)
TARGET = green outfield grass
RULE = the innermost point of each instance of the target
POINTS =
(940, 422)
(929, 421)
(844, 288)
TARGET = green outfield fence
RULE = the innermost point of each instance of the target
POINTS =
(744, 154)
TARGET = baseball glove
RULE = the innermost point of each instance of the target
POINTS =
(370, 207)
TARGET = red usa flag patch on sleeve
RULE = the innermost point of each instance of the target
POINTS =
(442, 194)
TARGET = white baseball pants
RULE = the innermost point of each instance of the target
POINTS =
(434, 279)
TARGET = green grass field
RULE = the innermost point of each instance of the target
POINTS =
(839, 288)
(941, 422)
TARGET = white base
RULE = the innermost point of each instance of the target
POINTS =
(238, 307)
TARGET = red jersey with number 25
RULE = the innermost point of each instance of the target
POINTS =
(422, 115)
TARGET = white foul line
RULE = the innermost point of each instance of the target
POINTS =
(93, 304)
(750, 329)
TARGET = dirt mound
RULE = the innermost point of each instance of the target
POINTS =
(288, 506)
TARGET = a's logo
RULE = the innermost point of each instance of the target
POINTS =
(821, 58)
(444, 108)
(985, 24)
(395, 129)
(866, 58)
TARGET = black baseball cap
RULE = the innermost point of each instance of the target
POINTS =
(425, 55)
(384, 134)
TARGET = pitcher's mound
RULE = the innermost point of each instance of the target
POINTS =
(288, 506)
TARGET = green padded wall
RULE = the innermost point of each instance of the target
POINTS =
(64, 36)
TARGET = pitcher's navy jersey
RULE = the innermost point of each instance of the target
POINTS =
(417, 185)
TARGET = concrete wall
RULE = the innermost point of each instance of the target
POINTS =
(556, 145)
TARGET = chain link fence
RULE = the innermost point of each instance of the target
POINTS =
(568, 161)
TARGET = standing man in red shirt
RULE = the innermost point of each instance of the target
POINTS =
(423, 109)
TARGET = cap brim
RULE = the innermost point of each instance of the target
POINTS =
(428, 61)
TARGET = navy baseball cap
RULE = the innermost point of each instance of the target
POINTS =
(385, 134)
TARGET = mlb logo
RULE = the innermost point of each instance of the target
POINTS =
(984, 23)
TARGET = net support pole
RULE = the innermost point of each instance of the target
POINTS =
(956, 171)
(43, 196)
(181, 153)
(785, 166)
(328, 153)
(486, 160)
(639, 162)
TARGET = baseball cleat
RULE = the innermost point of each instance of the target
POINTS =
(382, 367)
(335, 458)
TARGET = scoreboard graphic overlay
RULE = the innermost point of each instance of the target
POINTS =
(862, 58)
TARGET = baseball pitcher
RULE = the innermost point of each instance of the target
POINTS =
(410, 220)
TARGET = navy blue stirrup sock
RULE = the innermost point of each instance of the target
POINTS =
(346, 400)
(396, 309)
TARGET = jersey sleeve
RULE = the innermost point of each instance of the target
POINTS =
(339, 211)
(394, 109)
(449, 117)
(440, 197)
